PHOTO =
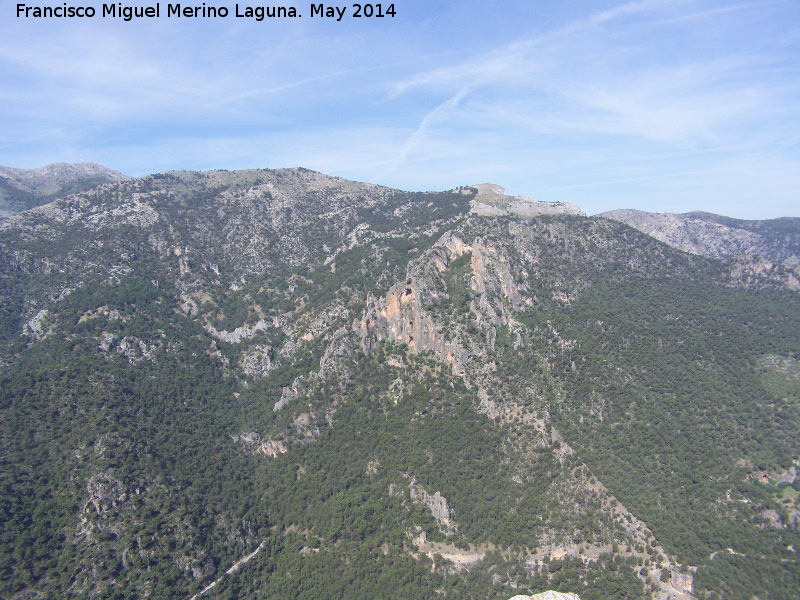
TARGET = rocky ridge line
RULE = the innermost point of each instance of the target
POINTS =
(492, 201)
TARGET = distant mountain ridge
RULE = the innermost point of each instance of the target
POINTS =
(696, 232)
(716, 236)
(22, 189)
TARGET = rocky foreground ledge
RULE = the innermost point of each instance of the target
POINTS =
(548, 596)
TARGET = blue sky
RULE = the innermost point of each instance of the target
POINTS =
(660, 105)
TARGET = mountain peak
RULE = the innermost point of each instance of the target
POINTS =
(21, 189)
(49, 179)
(491, 200)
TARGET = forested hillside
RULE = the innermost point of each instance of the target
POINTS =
(371, 393)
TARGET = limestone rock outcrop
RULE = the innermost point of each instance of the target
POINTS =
(491, 200)
(405, 314)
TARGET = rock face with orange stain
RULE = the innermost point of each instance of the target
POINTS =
(404, 314)
(401, 316)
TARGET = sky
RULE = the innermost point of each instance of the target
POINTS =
(658, 105)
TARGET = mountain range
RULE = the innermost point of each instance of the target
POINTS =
(281, 384)
(21, 189)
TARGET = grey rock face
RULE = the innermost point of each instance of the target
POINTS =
(772, 518)
(105, 492)
(35, 326)
(789, 477)
(253, 443)
(258, 360)
(238, 334)
(436, 503)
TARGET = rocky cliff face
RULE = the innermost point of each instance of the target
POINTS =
(404, 316)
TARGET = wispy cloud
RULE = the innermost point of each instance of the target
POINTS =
(595, 84)
(419, 137)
